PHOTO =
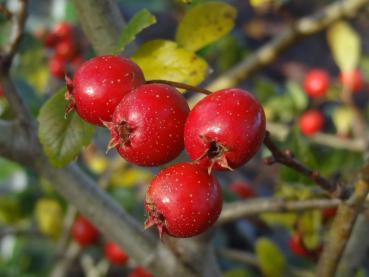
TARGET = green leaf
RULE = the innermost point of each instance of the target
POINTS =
(139, 21)
(345, 45)
(271, 260)
(164, 59)
(297, 95)
(237, 272)
(62, 139)
(287, 220)
(204, 24)
(8, 168)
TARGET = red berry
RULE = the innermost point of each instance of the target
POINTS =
(66, 49)
(242, 189)
(50, 40)
(57, 67)
(225, 129)
(352, 80)
(147, 126)
(139, 272)
(316, 83)
(84, 232)
(1, 91)
(62, 30)
(183, 200)
(296, 245)
(114, 254)
(100, 84)
(311, 122)
(329, 212)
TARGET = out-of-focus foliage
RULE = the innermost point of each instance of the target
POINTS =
(345, 44)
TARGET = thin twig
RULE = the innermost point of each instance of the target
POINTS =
(239, 209)
(280, 131)
(180, 85)
(305, 26)
(6, 58)
(18, 24)
(251, 260)
(286, 158)
(342, 226)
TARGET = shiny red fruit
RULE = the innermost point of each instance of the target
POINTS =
(311, 122)
(242, 189)
(296, 245)
(57, 67)
(84, 232)
(66, 49)
(100, 84)
(147, 126)
(316, 83)
(352, 80)
(139, 272)
(114, 254)
(225, 129)
(183, 200)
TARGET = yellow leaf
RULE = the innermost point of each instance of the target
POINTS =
(164, 59)
(49, 217)
(343, 119)
(129, 177)
(345, 45)
(204, 24)
(257, 3)
(270, 257)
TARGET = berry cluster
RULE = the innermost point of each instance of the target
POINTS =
(62, 40)
(151, 123)
(85, 234)
(316, 85)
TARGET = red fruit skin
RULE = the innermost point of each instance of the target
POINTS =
(232, 118)
(100, 84)
(114, 254)
(352, 80)
(57, 67)
(311, 122)
(84, 232)
(66, 49)
(316, 83)
(183, 200)
(242, 189)
(295, 244)
(329, 212)
(1, 91)
(62, 30)
(139, 272)
(50, 40)
(155, 114)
